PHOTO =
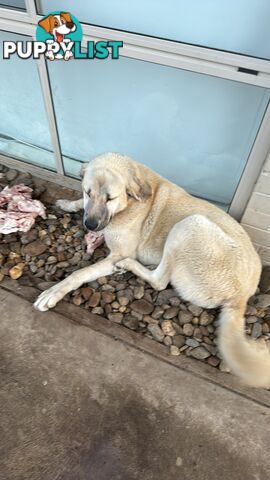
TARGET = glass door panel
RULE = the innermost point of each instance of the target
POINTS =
(24, 132)
(239, 26)
(196, 130)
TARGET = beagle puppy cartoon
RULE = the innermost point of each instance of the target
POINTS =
(58, 26)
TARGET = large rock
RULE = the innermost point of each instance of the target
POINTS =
(94, 299)
(35, 248)
(200, 353)
(142, 306)
(131, 322)
(261, 301)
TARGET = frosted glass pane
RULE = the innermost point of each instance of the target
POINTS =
(235, 25)
(24, 130)
(194, 129)
(17, 4)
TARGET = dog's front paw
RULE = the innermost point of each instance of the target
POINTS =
(48, 299)
(118, 270)
(122, 266)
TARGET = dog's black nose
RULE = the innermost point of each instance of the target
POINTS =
(91, 223)
(70, 24)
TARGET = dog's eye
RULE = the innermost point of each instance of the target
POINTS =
(109, 198)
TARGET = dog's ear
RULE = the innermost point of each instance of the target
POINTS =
(82, 170)
(139, 188)
(66, 16)
(46, 23)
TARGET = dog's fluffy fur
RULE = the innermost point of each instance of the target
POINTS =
(203, 252)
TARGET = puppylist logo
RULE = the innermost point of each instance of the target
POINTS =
(59, 37)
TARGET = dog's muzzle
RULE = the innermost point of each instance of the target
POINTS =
(91, 224)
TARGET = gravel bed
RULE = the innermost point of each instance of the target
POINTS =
(55, 247)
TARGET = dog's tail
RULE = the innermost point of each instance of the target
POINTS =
(248, 359)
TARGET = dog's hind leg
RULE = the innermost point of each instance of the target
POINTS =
(158, 278)
(69, 205)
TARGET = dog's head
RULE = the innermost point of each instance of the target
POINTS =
(109, 183)
(58, 25)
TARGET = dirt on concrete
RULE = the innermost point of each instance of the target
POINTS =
(76, 404)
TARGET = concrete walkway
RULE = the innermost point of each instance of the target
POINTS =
(76, 404)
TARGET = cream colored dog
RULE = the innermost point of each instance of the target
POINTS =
(203, 252)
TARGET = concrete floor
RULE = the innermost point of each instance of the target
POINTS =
(75, 404)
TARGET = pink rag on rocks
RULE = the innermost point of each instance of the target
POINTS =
(21, 210)
(93, 240)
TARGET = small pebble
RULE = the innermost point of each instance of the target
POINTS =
(156, 332)
(195, 310)
(191, 342)
(184, 317)
(123, 300)
(200, 353)
(115, 317)
(256, 330)
(174, 350)
(179, 340)
(167, 328)
(87, 292)
(251, 319)
(139, 292)
(11, 175)
(98, 310)
(51, 259)
(174, 301)
(205, 318)
(102, 280)
(188, 329)
(94, 299)
(213, 361)
(171, 312)
(167, 341)
(265, 328)
(16, 271)
(131, 322)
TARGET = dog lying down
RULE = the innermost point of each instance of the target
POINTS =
(203, 252)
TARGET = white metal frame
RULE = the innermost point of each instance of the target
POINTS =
(48, 101)
(165, 52)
